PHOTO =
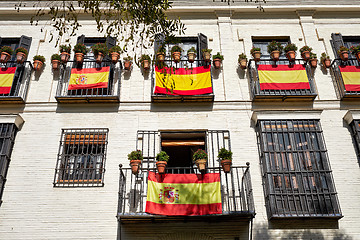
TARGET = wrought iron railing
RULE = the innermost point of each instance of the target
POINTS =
(111, 92)
(335, 66)
(236, 191)
(255, 83)
(20, 82)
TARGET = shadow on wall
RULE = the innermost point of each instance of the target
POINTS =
(261, 231)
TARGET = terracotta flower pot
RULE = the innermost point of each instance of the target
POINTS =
(326, 63)
(176, 56)
(161, 165)
(64, 57)
(79, 57)
(115, 57)
(20, 57)
(201, 164)
(357, 55)
(5, 57)
(160, 57)
(243, 63)
(37, 65)
(305, 55)
(344, 55)
(135, 166)
(313, 62)
(206, 56)
(256, 55)
(55, 64)
(127, 65)
(217, 63)
(191, 57)
(226, 165)
(99, 57)
(275, 55)
(145, 65)
(291, 55)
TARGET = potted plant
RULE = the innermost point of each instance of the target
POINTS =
(80, 50)
(21, 54)
(242, 60)
(100, 50)
(275, 49)
(127, 62)
(356, 51)
(305, 52)
(160, 54)
(135, 158)
(191, 54)
(343, 53)
(145, 61)
(55, 61)
(206, 54)
(290, 51)
(226, 159)
(115, 53)
(256, 53)
(161, 161)
(313, 60)
(6, 53)
(38, 62)
(325, 60)
(176, 53)
(65, 53)
(200, 159)
(217, 60)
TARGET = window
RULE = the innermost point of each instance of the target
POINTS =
(81, 158)
(338, 40)
(355, 130)
(7, 137)
(262, 43)
(296, 171)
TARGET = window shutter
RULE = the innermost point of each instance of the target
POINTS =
(25, 42)
(336, 42)
(159, 40)
(216, 139)
(0, 41)
(149, 144)
(202, 44)
(81, 39)
(110, 42)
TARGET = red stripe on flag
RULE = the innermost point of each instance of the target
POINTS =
(184, 178)
(5, 90)
(183, 71)
(89, 70)
(183, 209)
(88, 86)
(352, 87)
(349, 68)
(284, 86)
(280, 67)
(201, 91)
(9, 70)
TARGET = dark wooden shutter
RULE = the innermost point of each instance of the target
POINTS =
(149, 143)
(25, 42)
(0, 41)
(110, 42)
(216, 139)
(159, 40)
(202, 44)
(81, 39)
(336, 42)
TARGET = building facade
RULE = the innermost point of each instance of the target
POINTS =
(64, 171)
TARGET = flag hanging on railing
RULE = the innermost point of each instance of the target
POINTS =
(183, 81)
(6, 79)
(184, 194)
(88, 78)
(283, 77)
(351, 77)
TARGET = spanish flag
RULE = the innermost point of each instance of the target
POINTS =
(283, 77)
(183, 81)
(183, 194)
(88, 78)
(6, 79)
(351, 77)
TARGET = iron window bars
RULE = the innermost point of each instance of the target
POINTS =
(355, 132)
(81, 158)
(7, 138)
(295, 170)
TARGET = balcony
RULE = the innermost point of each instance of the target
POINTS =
(236, 196)
(15, 89)
(259, 93)
(347, 78)
(108, 93)
(182, 82)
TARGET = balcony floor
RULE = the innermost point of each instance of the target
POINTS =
(87, 99)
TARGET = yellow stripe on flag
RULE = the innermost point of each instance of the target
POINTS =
(184, 82)
(295, 76)
(351, 77)
(6, 80)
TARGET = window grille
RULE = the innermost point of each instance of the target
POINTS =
(295, 168)
(7, 137)
(355, 130)
(81, 158)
